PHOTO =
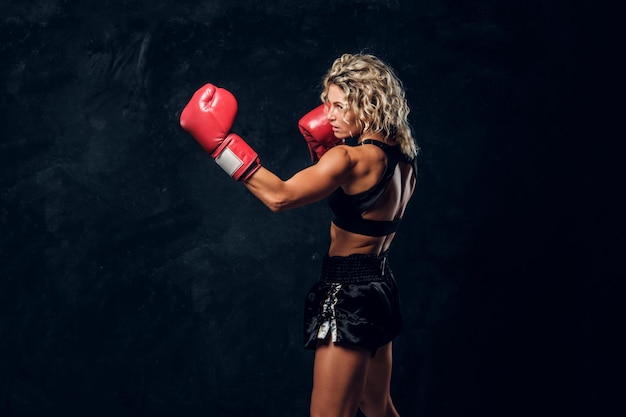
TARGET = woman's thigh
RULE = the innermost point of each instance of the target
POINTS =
(339, 375)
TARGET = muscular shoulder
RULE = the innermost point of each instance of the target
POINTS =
(340, 157)
(352, 165)
(339, 163)
(353, 155)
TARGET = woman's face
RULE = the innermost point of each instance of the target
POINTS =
(343, 123)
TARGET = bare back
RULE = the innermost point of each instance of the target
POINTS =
(368, 167)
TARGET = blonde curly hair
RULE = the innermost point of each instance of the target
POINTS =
(375, 95)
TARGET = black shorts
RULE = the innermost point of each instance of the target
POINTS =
(355, 303)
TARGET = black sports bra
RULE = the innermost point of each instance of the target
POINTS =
(348, 208)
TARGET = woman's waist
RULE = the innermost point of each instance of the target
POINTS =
(345, 243)
(356, 267)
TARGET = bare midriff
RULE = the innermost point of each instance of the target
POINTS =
(344, 243)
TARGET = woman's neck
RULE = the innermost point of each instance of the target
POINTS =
(374, 136)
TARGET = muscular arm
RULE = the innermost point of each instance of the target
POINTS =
(307, 186)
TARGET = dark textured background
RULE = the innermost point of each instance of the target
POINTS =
(137, 279)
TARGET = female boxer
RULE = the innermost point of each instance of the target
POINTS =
(352, 312)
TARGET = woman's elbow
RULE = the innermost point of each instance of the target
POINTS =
(277, 206)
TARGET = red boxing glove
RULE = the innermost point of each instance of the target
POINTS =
(237, 158)
(208, 117)
(318, 132)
